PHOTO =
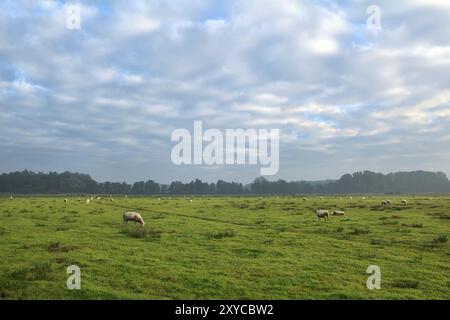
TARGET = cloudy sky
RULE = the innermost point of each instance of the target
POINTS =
(105, 98)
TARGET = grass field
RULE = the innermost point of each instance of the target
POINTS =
(224, 248)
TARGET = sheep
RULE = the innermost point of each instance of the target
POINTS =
(322, 214)
(386, 203)
(88, 200)
(65, 200)
(260, 198)
(111, 199)
(190, 200)
(98, 198)
(351, 198)
(320, 198)
(404, 201)
(133, 216)
(11, 197)
(338, 213)
(304, 199)
(389, 202)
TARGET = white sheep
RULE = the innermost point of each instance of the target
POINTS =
(322, 214)
(65, 200)
(133, 216)
(404, 201)
(88, 200)
(338, 213)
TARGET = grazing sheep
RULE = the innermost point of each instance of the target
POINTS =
(389, 201)
(404, 201)
(111, 199)
(260, 198)
(338, 213)
(98, 198)
(304, 199)
(386, 203)
(133, 216)
(10, 198)
(322, 214)
(65, 200)
(320, 198)
(351, 198)
(88, 200)
(364, 198)
(190, 200)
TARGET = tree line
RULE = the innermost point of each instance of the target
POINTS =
(29, 182)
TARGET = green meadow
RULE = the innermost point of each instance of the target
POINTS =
(225, 248)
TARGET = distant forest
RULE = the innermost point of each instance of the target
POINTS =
(28, 182)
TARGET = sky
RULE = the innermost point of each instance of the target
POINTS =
(104, 99)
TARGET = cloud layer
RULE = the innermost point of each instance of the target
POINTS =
(104, 99)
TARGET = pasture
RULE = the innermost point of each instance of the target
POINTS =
(225, 248)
